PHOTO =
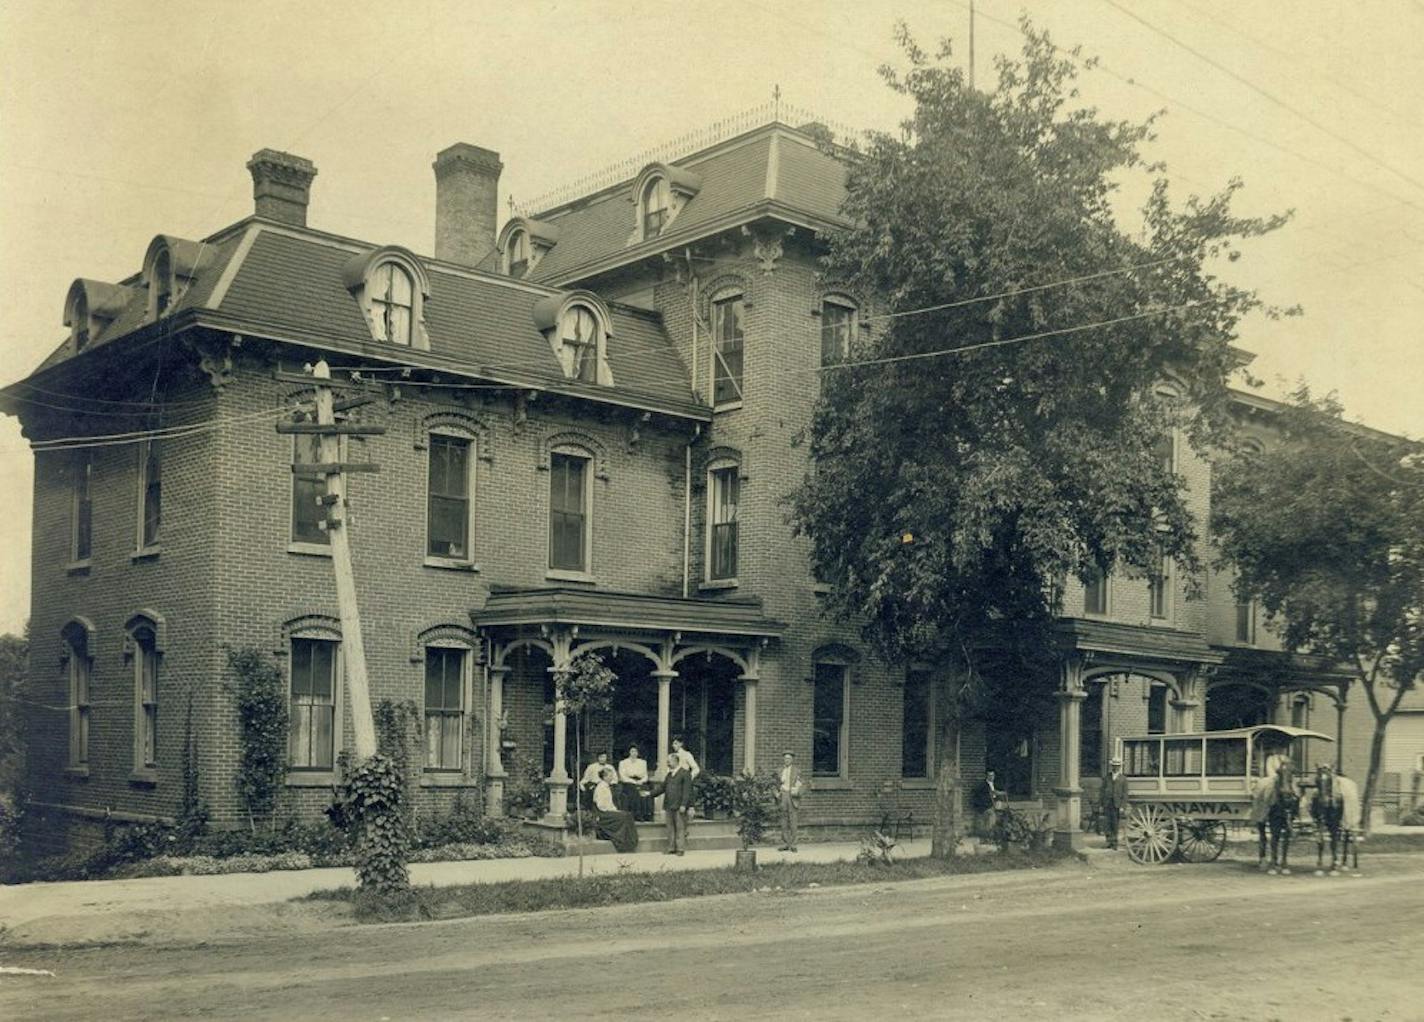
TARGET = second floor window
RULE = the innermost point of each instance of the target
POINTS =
(150, 492)
(308, 514)
(1246, 622)
(392, 295)
(448, 512)
(724, 493)
(1159, 585)
(1095, 594)
(312, 720)
(837, 331)
(568, 512)
(81, 535)
(444, 707)
(727, 342)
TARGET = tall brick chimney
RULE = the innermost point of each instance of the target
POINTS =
(281, 185)
(466, 203)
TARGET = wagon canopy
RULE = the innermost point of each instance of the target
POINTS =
(1284, 731)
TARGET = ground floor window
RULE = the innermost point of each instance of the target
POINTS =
(1157, 709)
(915, 725)
(444, 707)
(313, 708)
(828, 721)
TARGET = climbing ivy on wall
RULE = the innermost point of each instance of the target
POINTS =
(260, 695)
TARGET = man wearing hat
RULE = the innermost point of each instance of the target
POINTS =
(1114, 799)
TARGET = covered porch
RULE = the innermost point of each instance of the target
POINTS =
(683, 666)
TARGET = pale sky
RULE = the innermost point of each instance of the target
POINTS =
(122, 121)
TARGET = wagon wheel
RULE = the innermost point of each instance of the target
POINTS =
(1151, 834)
(1202, 840)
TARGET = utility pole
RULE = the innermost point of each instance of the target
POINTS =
(332, 470)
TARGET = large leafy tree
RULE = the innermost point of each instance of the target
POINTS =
(951, 493)
(1326, 530)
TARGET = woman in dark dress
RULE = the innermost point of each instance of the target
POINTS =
(614, 824)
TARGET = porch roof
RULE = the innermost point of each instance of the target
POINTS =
(557, 605)
(1280, 669)
(1112, 641)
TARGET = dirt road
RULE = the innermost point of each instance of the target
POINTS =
(1107, 941)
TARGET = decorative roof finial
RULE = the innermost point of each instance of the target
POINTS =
(776, 101)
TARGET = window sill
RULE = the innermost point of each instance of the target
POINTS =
(446, 779)
(452, 564)
(917, 784)
(821, 588)
(311, 778)
(78, 567)
(77, 773)
(148, 553)
(309, 549)
(730, 406)
(563, 575)
(143, 779)
(712, 585)
(832, 784)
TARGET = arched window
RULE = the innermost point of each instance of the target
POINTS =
(580, 338)
(655, 203)
(77, 317)
(160, 284)
(723, 496)
(728, 313)
(314, 667)
(449, 496)
(150, 494)
(145, 666)
(516, 254)
(570, 510)
(80, 664)
(391, 294)
(447, 669)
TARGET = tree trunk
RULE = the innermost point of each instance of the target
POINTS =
(944, 833)
(578, 794)
(1367, 797)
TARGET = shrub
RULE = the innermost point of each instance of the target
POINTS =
(463, 825)
(754, 804)
(715, 793)
(526, 796)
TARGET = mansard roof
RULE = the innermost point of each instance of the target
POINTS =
(773, 171)
(287, 283)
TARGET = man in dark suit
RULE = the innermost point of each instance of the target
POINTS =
(676, 790)
(1114, 799)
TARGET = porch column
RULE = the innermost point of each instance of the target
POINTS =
(664, 714)
(559, 779)
(1067, 833)
(494, 752)
(1340, 735)
(749, 723)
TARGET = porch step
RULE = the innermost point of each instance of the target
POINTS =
(702, 835)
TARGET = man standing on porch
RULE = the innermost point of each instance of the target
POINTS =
(791, 789)
(676, 790)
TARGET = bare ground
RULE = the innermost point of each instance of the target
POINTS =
(1106, 941)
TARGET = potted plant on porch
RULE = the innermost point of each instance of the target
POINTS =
(754, 801)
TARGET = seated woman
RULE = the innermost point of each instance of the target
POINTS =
(633, 782)
(614, 824)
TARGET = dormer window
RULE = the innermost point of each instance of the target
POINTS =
(655, 207)
(516, 254)
(392, 297)
(89, 307)
(578, 339)
(161, 284)
(78, 319)
(392, 288)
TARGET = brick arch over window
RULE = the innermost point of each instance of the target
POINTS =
(155, 622)
(445, 633)
(475, 428)
(588, 444)
(723, 456)
(311, 624)
(831, 290)
(78, 629)
(721, 287)
(839, 653)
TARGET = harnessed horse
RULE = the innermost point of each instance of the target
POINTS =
(1274, 804)
(1330, 808)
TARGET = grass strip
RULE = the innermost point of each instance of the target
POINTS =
(632, 887)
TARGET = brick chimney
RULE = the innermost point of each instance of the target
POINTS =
(281, 185)
(466, 203)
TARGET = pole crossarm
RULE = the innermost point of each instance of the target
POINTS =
(332, 429)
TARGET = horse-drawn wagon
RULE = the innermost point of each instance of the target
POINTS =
(1184, 789)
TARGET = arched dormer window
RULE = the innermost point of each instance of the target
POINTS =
(516, 255)
(655, 204)
(392, 288)
(76, 317)
(169, 266)
(577, 328)
(659, 193)
(523, 242)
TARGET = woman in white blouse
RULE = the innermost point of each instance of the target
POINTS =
(613, 823)
(633, 779)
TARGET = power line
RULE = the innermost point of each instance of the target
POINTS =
(166, 433)
(1264, 93)
(1003, 340)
